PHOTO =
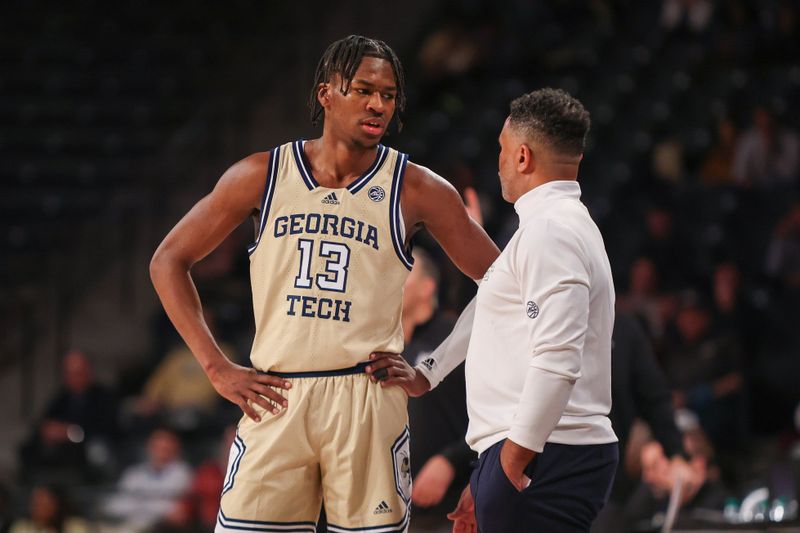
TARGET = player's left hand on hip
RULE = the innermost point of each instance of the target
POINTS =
(391, 369)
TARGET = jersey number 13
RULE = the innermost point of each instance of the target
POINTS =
(334, 278)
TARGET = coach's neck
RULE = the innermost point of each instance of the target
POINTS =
(546, 168)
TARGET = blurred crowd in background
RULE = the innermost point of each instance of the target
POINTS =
(692, 174)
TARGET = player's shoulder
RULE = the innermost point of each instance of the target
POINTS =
(250, 168)
(255, 162)
(244, 181)
(419, 178)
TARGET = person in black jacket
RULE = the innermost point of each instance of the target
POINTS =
(640, 390)
(83, 412)
(438, 420)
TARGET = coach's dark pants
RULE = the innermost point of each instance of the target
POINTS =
(570, 484)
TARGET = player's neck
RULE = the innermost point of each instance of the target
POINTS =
(336, 163)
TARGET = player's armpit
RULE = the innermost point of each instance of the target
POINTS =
(429, 200)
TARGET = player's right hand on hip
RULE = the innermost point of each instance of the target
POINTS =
(245, 386)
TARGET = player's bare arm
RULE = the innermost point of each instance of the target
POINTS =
(236, 197)
(431, 202)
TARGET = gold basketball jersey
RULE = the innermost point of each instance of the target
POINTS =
(328, 265)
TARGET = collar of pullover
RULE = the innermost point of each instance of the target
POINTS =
(536, 199)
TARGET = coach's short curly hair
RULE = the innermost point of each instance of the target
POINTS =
(553, 118)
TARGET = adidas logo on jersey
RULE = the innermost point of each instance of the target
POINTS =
(382, 508)
(331, 199)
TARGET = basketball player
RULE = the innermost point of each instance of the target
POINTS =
(334, 218)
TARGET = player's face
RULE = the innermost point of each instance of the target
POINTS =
(506, 164)
(363, 114)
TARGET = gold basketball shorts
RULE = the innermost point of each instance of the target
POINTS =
(342, 439)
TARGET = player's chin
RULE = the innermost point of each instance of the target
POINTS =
(369, 140)
(368, 144)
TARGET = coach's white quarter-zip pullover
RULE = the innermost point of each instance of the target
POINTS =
(539, 360)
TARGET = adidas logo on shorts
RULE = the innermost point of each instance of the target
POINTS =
(331, 199)
(382, 508)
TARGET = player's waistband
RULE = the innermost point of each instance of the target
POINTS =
(358, 369)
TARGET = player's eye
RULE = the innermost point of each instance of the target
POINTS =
(388, 96)
(362, 91)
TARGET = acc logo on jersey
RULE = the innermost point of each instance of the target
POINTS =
(533, 310)
(376, 193)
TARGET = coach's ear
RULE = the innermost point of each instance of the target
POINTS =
(526, 162)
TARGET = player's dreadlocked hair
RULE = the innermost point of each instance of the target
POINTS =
(343, 57)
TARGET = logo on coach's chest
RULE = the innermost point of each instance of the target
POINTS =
(533, 309)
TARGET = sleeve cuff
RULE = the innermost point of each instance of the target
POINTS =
(432, 378)
(544, 397)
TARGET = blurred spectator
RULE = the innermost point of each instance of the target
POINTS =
(643, 299)
(438, 420)
(668, 160)
(693, 15)
(733, 313)
(148, 491)
(783, 255)
(76, 430)
(453, 49)
(704, 370)
(178, 393)
(717, 168)
(638, 389)
(777, 365)
(779, 20)
(197, 510)
(659, 480)
(767, 155)
(665, 245)
(49, 513)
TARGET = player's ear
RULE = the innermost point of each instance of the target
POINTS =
(526, 163)
(324, 94)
